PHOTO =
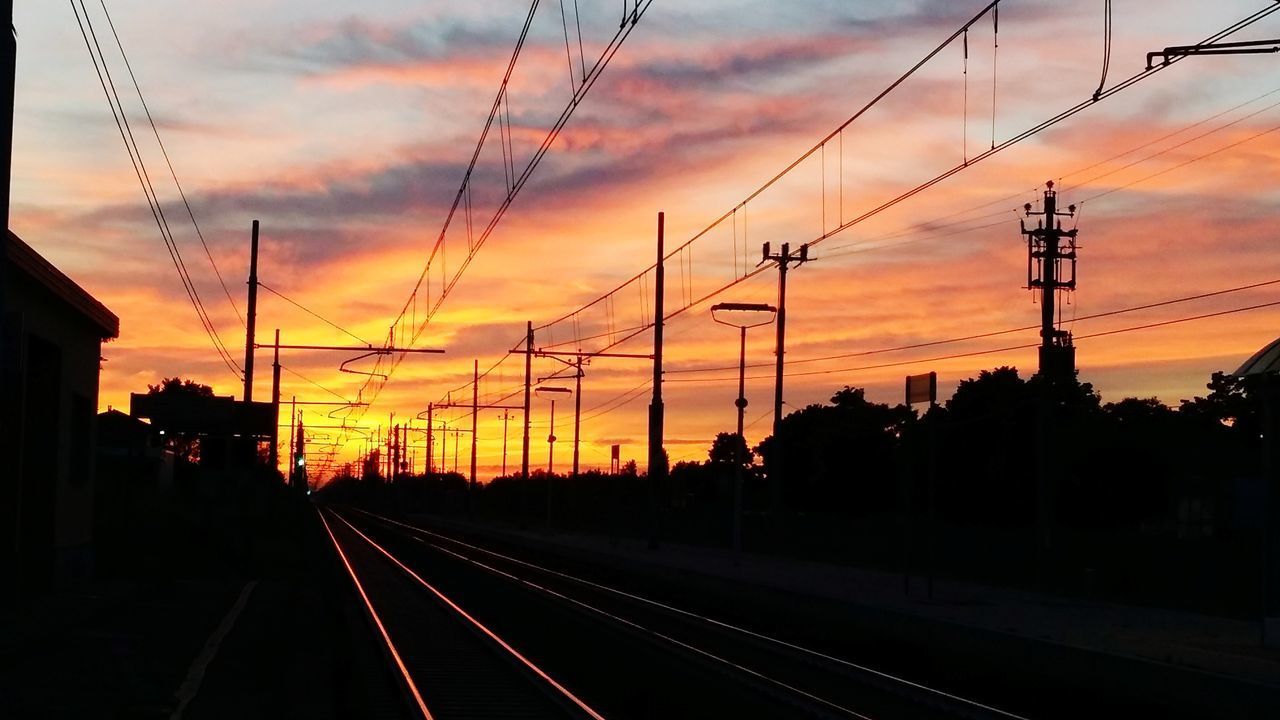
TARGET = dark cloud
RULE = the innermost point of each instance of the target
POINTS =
(354, 42)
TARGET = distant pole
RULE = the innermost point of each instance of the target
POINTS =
(657, 464)
(293, 412)
(524, 448)
(1050, 268)
(551, 442)
(275, 405)
(475, 413)
(577, 415)
(784, 260)
(505, 417)
(528, 382)
(431, 434)
(251, 314)
(551, 455)
(738, 460)
(780, 340)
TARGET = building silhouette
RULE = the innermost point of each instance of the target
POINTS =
(49, 363)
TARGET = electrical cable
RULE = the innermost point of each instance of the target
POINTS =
(139, 167)
(312, 313)
(172, 172)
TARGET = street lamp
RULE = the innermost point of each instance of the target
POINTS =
(552, 393)
(741, 316)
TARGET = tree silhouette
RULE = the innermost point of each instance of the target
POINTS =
(838, 455)
(176, 386)
(727, 448)
(185, 446)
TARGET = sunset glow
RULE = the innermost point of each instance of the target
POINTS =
(346, 132)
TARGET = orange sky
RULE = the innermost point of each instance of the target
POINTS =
(347, 136)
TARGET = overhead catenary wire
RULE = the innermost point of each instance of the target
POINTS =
(148, 190)
(992, 333)
(996, 148)
(922, 187)
(172, 172)
(1010, 348)
(371, 388)
(312, 313)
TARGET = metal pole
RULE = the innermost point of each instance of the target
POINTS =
(475, 414)
(551, 440)
(1049, 292)
(741, 403)
(251, 314)
(505, 417)
(577, 415)
(779, 351)
(781, 337)
(528, 381)
(293, 413)
(657, 463)
(275, 406)
(431, 430)
(551, 454)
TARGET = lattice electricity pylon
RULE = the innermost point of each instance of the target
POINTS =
(1051, 268)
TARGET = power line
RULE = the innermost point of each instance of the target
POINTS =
(999, 147)
(995, 148)
(983, 335)
(516, 181)
(144, 180)
(1184, 163)
(311, 312)
(300, 376)
(168, 162)
(1010, 348)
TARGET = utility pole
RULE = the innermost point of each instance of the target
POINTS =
(1051, 267)
(293, 416)
(399, 459)
(275, 406)
(431, 435)
(657, 461)
(528, 381)
(784, 259)
(505, 417)
(389, 459)
(251, 314)
(475, 413)
(577, 412)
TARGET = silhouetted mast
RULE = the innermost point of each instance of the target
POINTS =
(1051, 267)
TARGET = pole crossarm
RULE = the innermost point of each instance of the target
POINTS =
(1243, 47)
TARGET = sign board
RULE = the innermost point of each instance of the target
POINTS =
(922, 388)
(615, 451)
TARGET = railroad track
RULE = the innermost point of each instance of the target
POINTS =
(450, 665)
(670, 661)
